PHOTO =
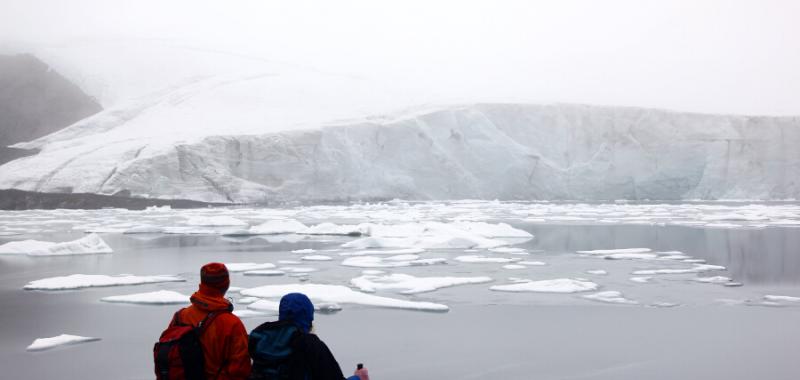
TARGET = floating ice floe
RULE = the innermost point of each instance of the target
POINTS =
(713, 279)
(428, 235)
(144, 229)
(532, 263)
(298, 269)
(89, 244)
(183, 230)
(390, 262)
(489, 230)
(623, 254)
(610, 296)
(600, 272)
(641, 280)
(244, 267)
(484, 259)
(337, 294)
(160, 297)
(509, 250)
(215, 221)
(722, 225)
(407, 251)
(559, 285)
(78, 281)
(61, 340)
(663, 304)
(304, 251)
(247, 313)
(513, 266)
(776, 298)
(408, 284)
(246, 300)
(265, 272)
(275, 227)
(290, 262)
(336, 229)
(698, 268)
(316, 258)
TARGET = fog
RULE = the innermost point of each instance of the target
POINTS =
(737, 57)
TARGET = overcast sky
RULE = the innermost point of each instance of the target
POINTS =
(721, 56)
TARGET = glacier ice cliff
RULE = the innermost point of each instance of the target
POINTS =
(488, 151)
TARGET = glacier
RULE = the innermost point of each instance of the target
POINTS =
(484, 151)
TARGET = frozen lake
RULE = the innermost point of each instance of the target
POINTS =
(600, 291)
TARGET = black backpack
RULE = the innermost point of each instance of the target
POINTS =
(270, 346)
(178, 354)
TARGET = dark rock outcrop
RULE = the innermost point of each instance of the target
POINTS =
(36, 101)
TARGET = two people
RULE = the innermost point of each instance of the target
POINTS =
(285, 349)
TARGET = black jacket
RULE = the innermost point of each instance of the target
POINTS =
(310, 358)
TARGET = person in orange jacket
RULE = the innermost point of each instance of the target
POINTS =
(224, 340)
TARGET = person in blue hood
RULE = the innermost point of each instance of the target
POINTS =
(288, 348)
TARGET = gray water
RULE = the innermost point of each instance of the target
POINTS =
(507, 335)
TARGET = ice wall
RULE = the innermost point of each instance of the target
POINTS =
(503, 151)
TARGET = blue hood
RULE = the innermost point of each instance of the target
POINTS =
(296, 307)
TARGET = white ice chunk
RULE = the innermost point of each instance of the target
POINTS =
(78, 281)
(407, 251)
(304, 251)
(532, 263)
(61, 340)
(610, 296)
(335, 229)
(713, 279)
(408, 284)
(316, 258)
(340, 295)
(243, 267)
(144, 229)
(290, 262)
(428, 235)
(247, 300)
(601, 272)
(510, 250)
(560, 285)
(514, 266)
(265, 272)
(372, 271)
(389, 262)
(88, 244)
(641, 280)
(613, 251)
(263, 305)
(775, 298)
(489, 230)
(276, 227)
(484, 259)
(247, 313)
(698, 268)
(298, 269)
(159, 297)
(214, 221)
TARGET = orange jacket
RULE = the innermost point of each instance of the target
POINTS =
(224, 340)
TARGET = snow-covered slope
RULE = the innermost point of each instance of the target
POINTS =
(505, 151)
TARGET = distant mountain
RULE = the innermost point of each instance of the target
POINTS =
(36, 101)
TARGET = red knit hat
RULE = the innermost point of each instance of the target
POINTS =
(215, 276)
